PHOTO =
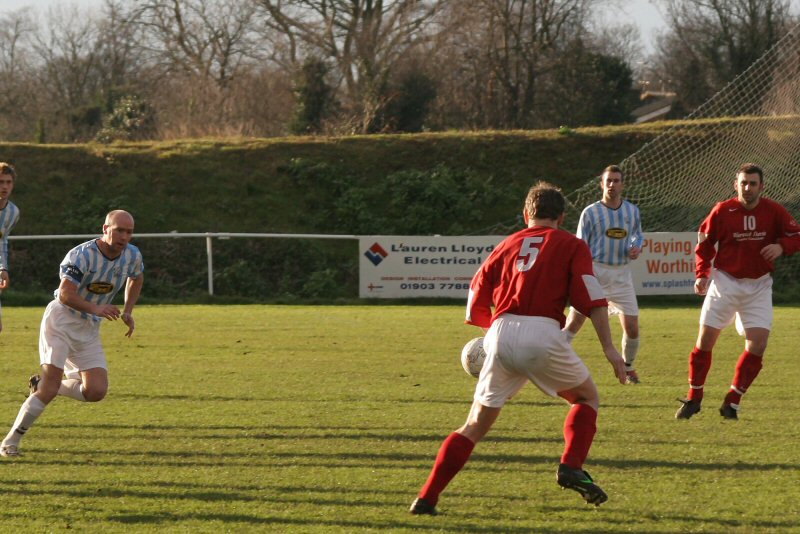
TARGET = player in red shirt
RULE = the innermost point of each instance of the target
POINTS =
(529, 278)
(741, 237)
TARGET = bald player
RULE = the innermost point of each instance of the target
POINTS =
(73, 362)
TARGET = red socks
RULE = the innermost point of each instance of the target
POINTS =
(579, 428)
(453, 454)
(699, 364)
(747, 369)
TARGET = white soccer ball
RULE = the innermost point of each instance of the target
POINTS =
(472, 357)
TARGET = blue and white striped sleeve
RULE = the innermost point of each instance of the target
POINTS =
(637, 236)
(584, 225)
(73, 266)
(7, 226)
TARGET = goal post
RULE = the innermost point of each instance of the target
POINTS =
(677, 177)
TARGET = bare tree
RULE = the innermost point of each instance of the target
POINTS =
(121, 47)
(364, 38)
(525, 35)
(14, 73)
(67, 53)
(206, 52)
(208, 39)
(709, 42)
(496, 55)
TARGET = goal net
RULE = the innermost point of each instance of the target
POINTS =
(676, 178)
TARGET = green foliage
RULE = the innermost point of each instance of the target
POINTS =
(613, 95)
(440, 200)
(88, 216)
(453, 183)
(322, 284)
(298, 419)
(284, 268)
(693, 88)
(84, 119)
(408, 109)
(131, 118)
(600, 89)
(314, 97)
(40, 136)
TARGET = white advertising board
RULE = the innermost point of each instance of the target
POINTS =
(420, 266)
(666, 264)
(442, 266)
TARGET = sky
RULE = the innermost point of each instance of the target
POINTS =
(643, 13)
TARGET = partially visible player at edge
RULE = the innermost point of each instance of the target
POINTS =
(528, 278)
(9, 216)
(736, 247)
(73, 362)
(612, 228)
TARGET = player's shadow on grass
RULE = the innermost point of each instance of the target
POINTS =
(284, 432)
(626, 464)
(311, 524)
(268, 460)
(644, 522)
(205, 398)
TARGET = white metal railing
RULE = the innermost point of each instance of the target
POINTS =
(207, 235)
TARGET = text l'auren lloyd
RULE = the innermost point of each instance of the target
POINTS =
(472, 249)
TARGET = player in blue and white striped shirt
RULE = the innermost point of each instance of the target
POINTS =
(72, 359)
(613, 230)
(9, 215)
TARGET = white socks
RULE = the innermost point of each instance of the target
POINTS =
(72, 388)
(630, 347)
(31, 409)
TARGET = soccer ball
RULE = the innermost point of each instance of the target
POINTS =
(472, 357)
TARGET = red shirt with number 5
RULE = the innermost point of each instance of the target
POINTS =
(534, 272)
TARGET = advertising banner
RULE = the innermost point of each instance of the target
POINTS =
(666, 265)
(420, 266)
(442, 266)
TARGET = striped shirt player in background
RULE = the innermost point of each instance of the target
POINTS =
(528, 278)
(9, 215)
(737, 245)
(613, 230)
(73, 362)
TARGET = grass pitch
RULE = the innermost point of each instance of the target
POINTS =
(327, 419)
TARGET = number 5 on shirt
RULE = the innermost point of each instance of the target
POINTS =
(528, 253)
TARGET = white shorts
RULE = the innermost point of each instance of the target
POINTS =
(521, 349)
(69, 342)
(748, 300)
(617, 284)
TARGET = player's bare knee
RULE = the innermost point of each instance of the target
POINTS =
(586, 393)
(46, 393)
(94, 394)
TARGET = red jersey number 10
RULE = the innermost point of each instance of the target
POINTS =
(528, 253)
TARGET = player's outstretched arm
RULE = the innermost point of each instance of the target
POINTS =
(599, 317)
(133, 288)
